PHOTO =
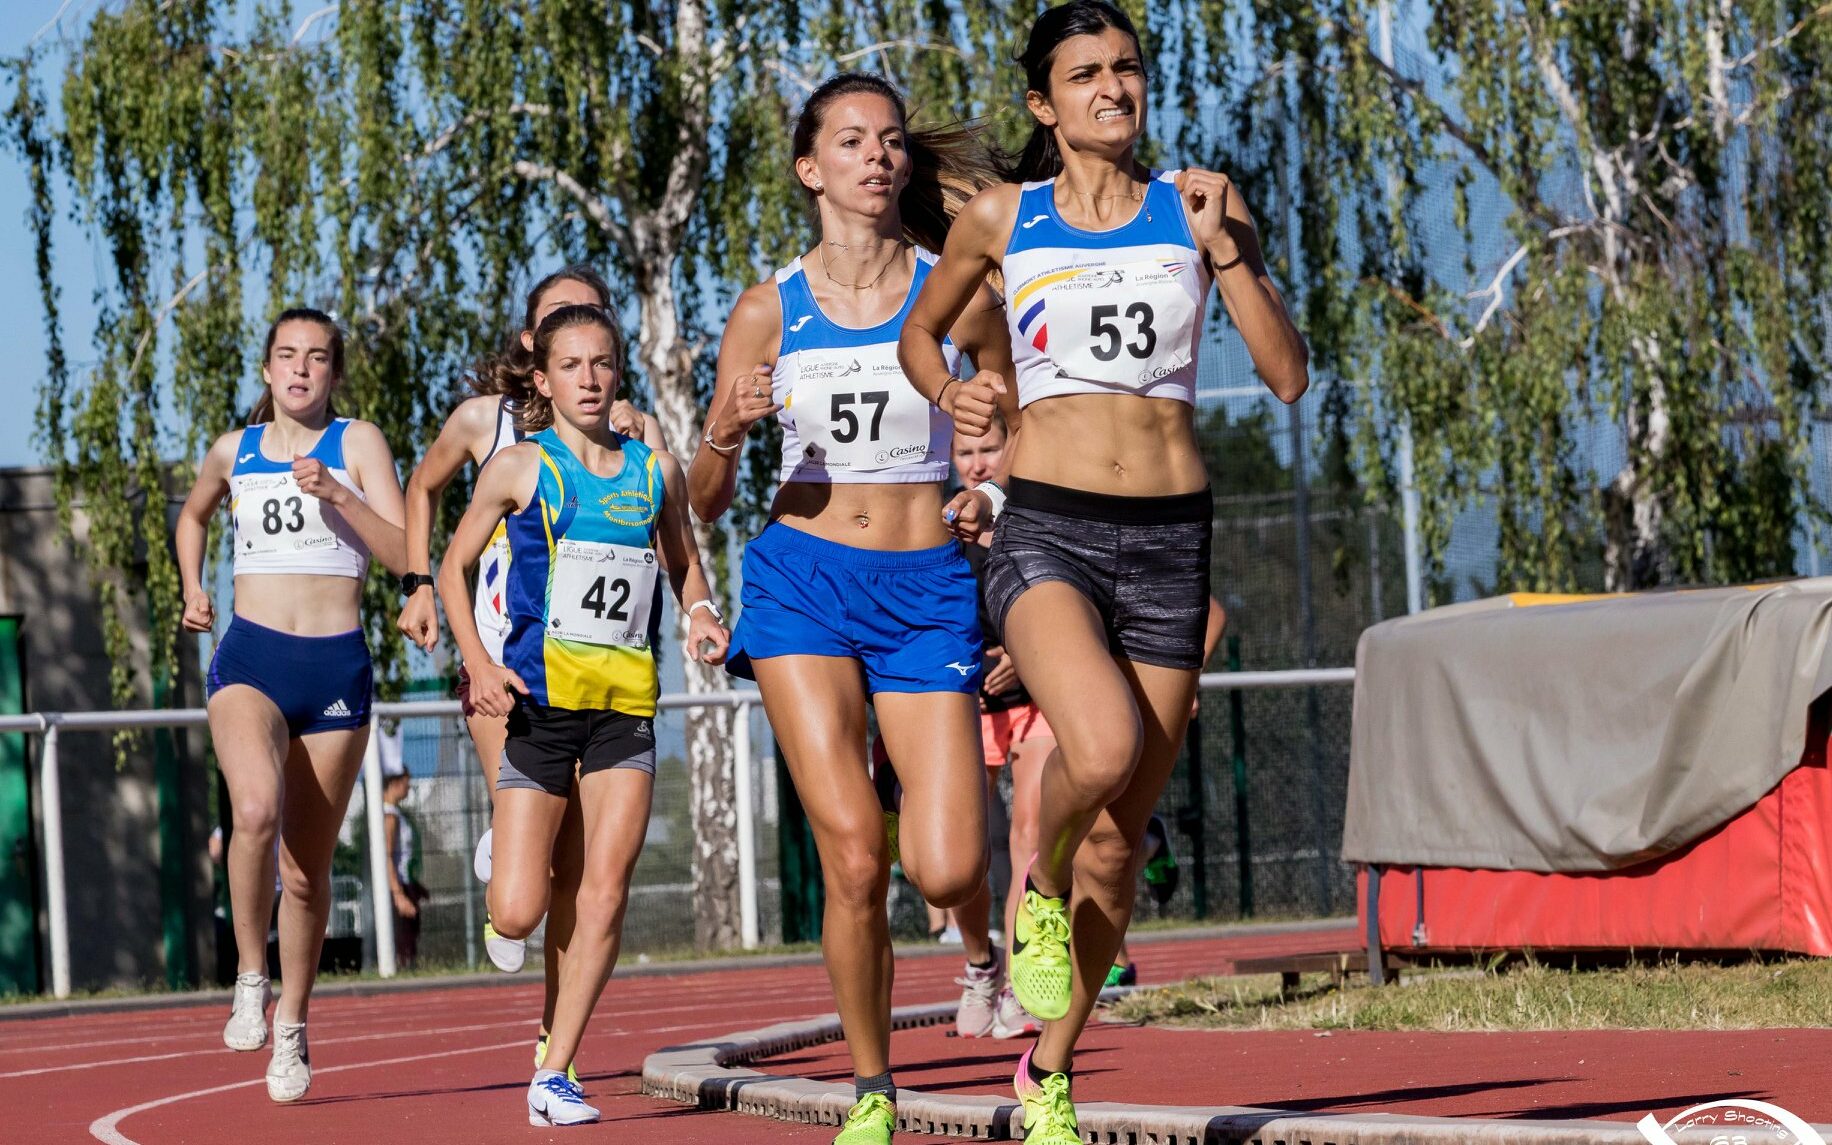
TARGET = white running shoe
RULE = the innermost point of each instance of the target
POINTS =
(480, 858)
(979, 1000)
(507, 954)
(552, 1100)
(1009, 1019)
(289, 1074)
(246, 1030)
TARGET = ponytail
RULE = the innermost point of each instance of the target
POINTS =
(948, 163)
(509, 374)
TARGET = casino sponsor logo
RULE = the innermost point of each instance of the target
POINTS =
(903, 453)
(1156, 373)
(1738, 1122)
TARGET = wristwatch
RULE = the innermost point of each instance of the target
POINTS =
(412, 582)
(711, 606)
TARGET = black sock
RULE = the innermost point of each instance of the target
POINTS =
(990, 962)
(1030, 884)
(1038, 1073)
(881, 1083)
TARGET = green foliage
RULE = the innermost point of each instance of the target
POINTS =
(410, 164)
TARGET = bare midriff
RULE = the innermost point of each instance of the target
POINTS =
(888, 518)
(302, 604)
(1118, 444)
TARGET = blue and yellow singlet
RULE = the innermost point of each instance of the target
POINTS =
(582, 580)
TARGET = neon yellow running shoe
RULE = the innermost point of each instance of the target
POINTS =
(1040, 974)
(540, 1055)
(869, 1122)
(1049, 1112)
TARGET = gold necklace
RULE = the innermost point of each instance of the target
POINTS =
(1093, 198)
(853, 285)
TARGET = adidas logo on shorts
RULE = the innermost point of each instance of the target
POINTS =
(338, 709)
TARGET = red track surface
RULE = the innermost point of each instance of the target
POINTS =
(449, 1066)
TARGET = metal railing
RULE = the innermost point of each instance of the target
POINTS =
(50, 725)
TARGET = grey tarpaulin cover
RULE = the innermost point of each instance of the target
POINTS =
(1578, 736)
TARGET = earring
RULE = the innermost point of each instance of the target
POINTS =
(819, 186)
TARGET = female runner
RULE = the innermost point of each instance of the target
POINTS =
(1098, 574)
(855, 592)
(589, 514)
(311, 496)
(475, 432)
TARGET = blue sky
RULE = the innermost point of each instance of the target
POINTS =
(24, 321)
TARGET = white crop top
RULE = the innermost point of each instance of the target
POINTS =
(279, 527)
(849, 415)
(1105, 312)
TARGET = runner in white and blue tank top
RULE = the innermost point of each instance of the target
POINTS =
(854, 595)
(1099, 567)
(311, 498)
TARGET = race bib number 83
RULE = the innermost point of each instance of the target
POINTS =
(274, 517)
(601, 593)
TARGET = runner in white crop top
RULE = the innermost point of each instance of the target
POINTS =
(279, 528)
(1103, 312)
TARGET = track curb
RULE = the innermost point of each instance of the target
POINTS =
(713, 1075)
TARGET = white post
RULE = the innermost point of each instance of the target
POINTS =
(56, 900)
(1409, 509)
(747, 829)
(380, 894)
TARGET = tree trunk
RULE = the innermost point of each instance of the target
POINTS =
(668, 362)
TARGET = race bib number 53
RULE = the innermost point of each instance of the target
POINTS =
(1126, 325)
(601, 594)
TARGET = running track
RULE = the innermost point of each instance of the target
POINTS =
(450, 1065)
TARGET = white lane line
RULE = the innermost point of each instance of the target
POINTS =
(105, 1128)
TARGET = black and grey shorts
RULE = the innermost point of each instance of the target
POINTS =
(1143, 562)
(544, 743)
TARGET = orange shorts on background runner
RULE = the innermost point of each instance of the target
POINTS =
(1002, 731)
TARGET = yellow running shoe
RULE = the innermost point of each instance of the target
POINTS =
(869, 1122)
(1040, 973)
(540, 1055)
(1049, 1112)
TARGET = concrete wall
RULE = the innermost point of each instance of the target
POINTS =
(111, 814)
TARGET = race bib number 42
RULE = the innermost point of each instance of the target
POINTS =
(601, 594)
(856, 412)
(1126, 325)
(274, 517)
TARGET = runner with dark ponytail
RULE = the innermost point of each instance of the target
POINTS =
(1098, 576)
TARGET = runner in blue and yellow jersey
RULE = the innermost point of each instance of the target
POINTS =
(592, 519)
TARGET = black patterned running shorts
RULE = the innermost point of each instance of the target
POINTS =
(1143, 562)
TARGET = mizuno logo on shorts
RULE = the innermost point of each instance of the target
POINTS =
(338, 709)
(963, 669)
(800, 322)
(1035, 219)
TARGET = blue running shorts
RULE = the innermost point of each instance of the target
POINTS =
(319, 683)
(910, 618)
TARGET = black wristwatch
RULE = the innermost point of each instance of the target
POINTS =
(411, 582)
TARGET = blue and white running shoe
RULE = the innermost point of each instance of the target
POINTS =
(552, 1100)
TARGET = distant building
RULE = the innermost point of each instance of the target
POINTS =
(139, 912)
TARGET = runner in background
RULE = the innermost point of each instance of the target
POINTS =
(592, 517)
(479, 428)
(311, 497)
